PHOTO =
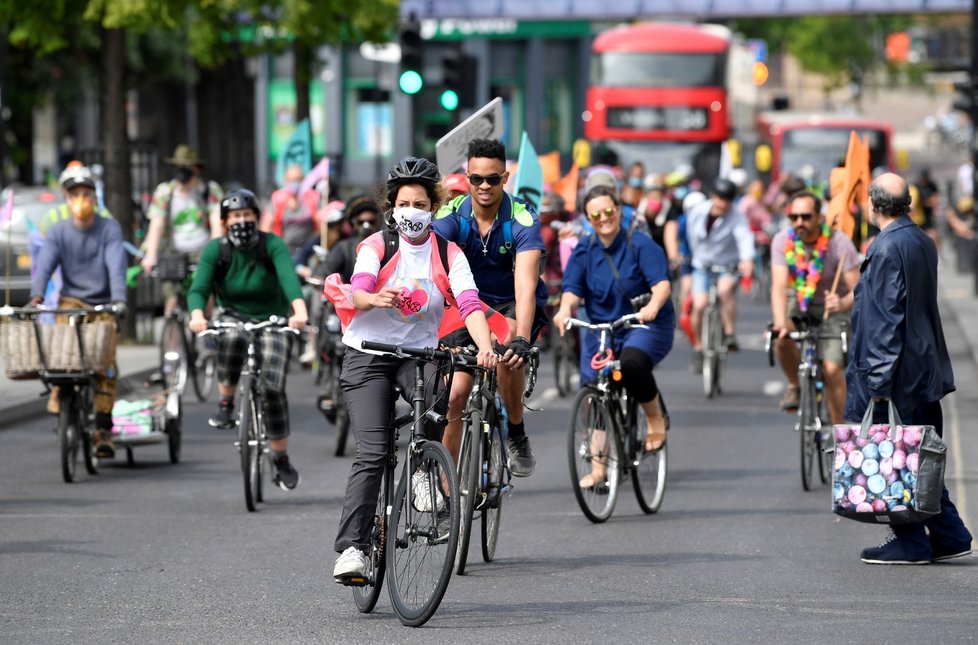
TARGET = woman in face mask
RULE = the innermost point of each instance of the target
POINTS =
(252, 278)
(402, 303)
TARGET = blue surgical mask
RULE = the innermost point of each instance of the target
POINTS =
(635, 182)
(293, 187)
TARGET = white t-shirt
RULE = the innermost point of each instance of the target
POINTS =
(414, 321)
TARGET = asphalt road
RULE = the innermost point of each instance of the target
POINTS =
(738, 553)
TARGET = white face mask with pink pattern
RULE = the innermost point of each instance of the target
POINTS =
(411, 222)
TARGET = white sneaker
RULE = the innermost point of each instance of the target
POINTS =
(307, 357)
(421, 493)
(352, 563)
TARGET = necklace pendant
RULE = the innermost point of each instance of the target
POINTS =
(485, 251)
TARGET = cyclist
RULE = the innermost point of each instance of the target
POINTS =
(500, 235)
(718, 235)
(88, 248)
(291, 215)
(455, 185)
(363, 217)
(608, 269)
(332, 221)
(252, 278)
(183, 216)
(76, 180)
(405, 308)
(804, 262)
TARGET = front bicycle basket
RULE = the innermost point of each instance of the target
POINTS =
(59, 342)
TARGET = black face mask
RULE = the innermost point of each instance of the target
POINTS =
(365, 228)
(183, 174)
(243, 235)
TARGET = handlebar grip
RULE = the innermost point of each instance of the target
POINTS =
(379, 347)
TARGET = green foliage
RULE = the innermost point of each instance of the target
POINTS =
(841, 48)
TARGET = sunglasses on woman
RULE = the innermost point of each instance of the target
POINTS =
(492, 180)
(607, 212)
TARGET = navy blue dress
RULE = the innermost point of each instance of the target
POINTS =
(641, 264)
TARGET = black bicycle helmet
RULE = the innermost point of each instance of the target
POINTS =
(410, 170)
(725, 189)
(238, 199)
(359, 204)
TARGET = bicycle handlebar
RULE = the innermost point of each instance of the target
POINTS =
(628, 321)
(274, 324)
(423, 353)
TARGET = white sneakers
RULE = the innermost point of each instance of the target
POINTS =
(352, 563)
(421, 493)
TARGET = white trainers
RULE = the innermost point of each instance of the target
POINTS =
(421, 493)
(307, 357)
(352, 563)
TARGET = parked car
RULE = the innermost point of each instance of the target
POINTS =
(31, 204)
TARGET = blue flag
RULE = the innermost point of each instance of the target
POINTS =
(529, 174)
(297, 152)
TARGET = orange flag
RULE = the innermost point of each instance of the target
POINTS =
(550, 164)
(567, 188)
(849, 185)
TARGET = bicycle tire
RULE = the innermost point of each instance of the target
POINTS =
(205, 373)
(807, 435)
(68, 438)
(365, 596)
(259, 462)
(560, 365)
(650, 472)
(719, 352)
(824, 438)
(469, 483)
(413, 555)
(173, 354)
(492, 515)
(249, 451)
(342, 422)
(709, 352)
(589, 416)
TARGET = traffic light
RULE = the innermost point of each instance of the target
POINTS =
(965, 99)
(410, 80)
(459, 72)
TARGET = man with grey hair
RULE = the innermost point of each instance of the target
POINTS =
(899, 355)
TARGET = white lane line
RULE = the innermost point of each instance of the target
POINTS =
(957, 464)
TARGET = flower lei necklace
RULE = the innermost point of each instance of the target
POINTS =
(805, 271)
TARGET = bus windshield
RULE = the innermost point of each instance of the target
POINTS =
(825, 148)
(629, 69)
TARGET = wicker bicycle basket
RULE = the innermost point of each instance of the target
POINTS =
(22, 359)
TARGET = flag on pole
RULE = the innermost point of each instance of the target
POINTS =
(8, 209)
(320, 173)
(849, 186)
(297, 152)
(529, 174)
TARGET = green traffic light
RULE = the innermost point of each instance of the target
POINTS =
(449, 100)
(410, 82)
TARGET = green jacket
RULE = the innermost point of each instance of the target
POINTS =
(249, 287)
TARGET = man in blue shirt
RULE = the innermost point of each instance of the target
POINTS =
(500, 235)
(88, 248)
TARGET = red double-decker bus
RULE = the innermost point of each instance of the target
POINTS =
(812, 144)
(669, 93)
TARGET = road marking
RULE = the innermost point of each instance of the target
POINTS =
(957, 465)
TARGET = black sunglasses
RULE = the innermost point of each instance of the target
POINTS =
(794, 217)
(492, 180)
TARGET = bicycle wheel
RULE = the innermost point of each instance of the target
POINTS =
(709, 352)
(823, 440)
(205, 371)
(469, 480)
(589, 441)
(649, 474)
(563, 364)
(342, 423)
(173, 354)
(248, 442)
(493, 511)
(68, 437)
(422, 551)
(806, 431)
(366, 595)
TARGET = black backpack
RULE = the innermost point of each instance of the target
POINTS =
(224, 257)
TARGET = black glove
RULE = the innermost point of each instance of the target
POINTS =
(521, 347)
(120, 309)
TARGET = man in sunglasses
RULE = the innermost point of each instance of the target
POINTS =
(718, 235)
(810, 254)
(500, 235)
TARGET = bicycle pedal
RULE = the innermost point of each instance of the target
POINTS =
(351, 581)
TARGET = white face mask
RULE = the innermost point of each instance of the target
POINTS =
(412, 223)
